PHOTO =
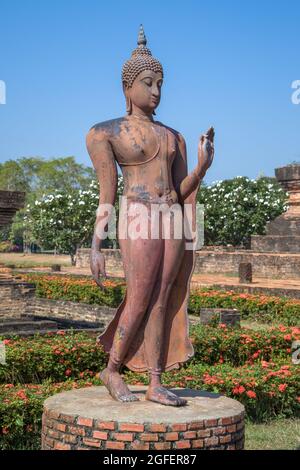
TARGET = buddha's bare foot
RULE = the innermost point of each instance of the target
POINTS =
(116, 386)
(162, 395)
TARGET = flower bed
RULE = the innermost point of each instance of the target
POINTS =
(267, 390)
(61, 356)
(264, 308)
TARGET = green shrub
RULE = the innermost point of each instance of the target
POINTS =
(59, 357)
(266, 309)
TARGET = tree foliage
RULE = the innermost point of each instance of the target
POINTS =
(238, 208)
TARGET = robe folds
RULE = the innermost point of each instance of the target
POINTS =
(177, 346)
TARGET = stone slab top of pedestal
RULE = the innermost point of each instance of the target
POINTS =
(96, 403)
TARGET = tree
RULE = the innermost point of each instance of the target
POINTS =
(35, 174)
(238, 208)
(64, 220)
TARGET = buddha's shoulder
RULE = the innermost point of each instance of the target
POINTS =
(178, 136)
(106, 130)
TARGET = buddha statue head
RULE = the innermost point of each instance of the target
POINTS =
(142, 77)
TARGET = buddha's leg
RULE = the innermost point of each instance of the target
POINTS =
(154, 332)
(141, 260)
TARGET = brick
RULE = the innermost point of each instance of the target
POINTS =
(76, 430)
(178, 427)
(218, 431)
(88, 422)
(225, 439)
(138, 445)
(123, 436)
(91, 442)
(236, 419)
(197, 443)
(237, 435)
(149, 437)
(195, 425)
(224, 421)
(61, 446)
(171, 436)
(100, 435)
(209, 423)
(68, 419)
(157, 428)
(131, 427)
(115, 445)
(231, 428)
(162, 445)
(190, 435)
(182, 445)
(60, 426)
(49, 442)
(70, 439)
(204, 433)
(49, 423)
(109, 425)
(211, 441)
(239, 445)
(240, 426)
(52, 414)
(54, 434)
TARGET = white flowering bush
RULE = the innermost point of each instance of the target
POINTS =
(238, 208)
(64, 220)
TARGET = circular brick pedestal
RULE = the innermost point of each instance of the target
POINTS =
(90, 419)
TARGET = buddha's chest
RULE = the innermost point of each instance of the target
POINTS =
(140, 144)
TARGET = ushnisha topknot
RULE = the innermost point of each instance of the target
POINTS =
(141, 59)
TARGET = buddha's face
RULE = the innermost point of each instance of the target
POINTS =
(146, 91)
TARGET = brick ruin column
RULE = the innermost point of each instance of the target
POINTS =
(10, 203)
(283, 233)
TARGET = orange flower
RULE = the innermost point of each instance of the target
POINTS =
(251, 394)
(282, 387)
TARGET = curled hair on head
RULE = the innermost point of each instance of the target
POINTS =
(141, 60)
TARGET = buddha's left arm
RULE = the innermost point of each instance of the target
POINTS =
(185, 183)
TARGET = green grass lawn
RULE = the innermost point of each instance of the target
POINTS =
(281, 434)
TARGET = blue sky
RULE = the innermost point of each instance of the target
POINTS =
(227, 63)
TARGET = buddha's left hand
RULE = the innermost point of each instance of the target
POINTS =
(206, 150)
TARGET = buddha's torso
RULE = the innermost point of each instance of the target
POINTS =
(145, 152)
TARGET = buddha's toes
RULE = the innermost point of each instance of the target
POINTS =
(164, 396)
(116, 386)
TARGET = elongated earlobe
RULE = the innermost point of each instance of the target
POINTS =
(128, 105)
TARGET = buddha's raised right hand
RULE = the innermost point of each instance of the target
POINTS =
(97, 264)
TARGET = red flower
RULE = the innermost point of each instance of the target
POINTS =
(282, 387)
(5, 431)
(61, 332)
(9, 386)
(239, 390)
(21, 394)
(68, 372)
(251, 394)
(6, 341)
(287, 337)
